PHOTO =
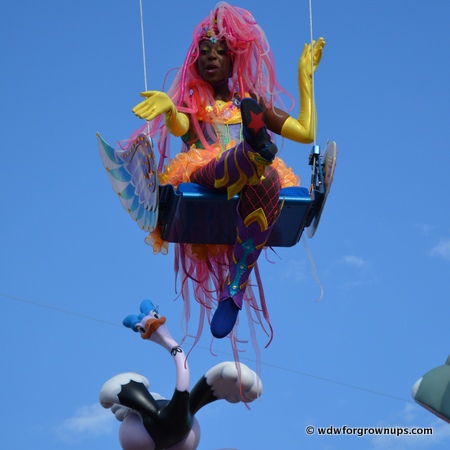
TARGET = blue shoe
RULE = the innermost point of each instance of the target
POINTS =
(255, 131)
(224, 318)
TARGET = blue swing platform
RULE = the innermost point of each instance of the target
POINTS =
(194, 214)
(198, 215)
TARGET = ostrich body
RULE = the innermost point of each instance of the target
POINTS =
(150, 422)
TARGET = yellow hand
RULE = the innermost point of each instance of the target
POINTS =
(304, 64)
(155, 104)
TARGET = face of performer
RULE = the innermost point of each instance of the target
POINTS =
(214, 61)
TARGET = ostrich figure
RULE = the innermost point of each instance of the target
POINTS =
(150, 422)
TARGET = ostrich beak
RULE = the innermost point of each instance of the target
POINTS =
(151, 326)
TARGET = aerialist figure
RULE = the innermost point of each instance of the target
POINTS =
(224, 104)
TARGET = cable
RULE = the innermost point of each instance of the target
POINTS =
(143, 44)
(312, 67)
(144, 61)
(274, 366)
(71, 313)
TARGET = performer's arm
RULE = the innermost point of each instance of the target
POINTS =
(303, 129)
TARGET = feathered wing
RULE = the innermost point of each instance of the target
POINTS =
(230, 381)
(134, 178)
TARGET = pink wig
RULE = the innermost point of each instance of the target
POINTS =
(253, 70)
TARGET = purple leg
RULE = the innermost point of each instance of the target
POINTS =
(244, 169)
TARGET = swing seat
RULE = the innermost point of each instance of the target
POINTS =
(197, 215)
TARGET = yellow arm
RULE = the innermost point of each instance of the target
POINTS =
(177, 123)
(157, 103)
(303, 129)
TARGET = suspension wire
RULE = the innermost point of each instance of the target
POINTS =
(143, 44)
(144, 61)
(312, 67)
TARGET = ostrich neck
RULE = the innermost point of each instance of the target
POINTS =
(163, 338)
(182, 368)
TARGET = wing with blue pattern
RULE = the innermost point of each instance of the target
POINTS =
(133, 176)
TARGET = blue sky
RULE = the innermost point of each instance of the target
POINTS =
(73, 265)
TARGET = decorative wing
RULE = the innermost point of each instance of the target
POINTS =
(329, 165)
(134, 178)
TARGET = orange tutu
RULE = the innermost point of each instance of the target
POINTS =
(180, 169)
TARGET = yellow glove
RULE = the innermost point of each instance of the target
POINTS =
(157, 103)
(303, 129)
